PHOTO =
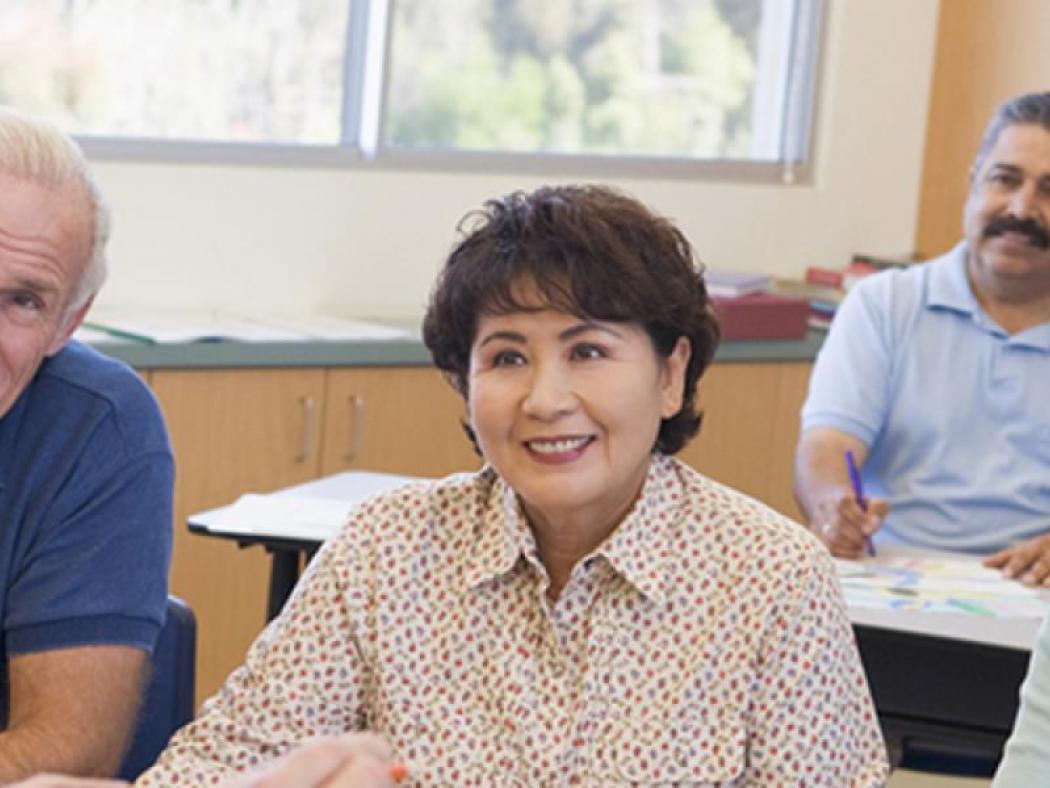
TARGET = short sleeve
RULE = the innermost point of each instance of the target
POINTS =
(91, 564)
(850, 383)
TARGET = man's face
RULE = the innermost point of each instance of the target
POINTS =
(45, 238)
(1007, 216)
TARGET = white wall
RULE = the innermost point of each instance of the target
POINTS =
(367, 243)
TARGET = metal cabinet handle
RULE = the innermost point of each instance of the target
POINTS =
(357, 427)
(309, 431)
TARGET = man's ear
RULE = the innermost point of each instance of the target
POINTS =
(973, 172)
(72, 324)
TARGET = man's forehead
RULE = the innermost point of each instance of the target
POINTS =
(1020, 145)
(45, 232)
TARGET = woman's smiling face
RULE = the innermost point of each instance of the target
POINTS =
(567, 410)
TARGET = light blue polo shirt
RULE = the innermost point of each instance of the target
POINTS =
(956, 413)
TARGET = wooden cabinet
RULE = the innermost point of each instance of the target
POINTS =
(400, 420)
(233, 431)
(750, 428)
(244, 430)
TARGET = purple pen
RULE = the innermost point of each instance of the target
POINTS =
(858, 492)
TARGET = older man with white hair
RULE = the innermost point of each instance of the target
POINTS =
(86, 476)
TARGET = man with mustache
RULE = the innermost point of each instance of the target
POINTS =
(937, 379)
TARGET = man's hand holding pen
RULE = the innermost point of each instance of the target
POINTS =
(845, 527)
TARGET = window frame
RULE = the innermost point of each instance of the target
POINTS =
(366, 82)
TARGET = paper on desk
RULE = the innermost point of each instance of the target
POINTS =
(171, 326)
(95, 336)
(284, 516)
(180, 325)
(330, 328)
(937, 585)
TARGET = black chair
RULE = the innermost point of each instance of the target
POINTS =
(168, 704)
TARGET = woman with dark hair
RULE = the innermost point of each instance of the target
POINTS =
(585, 609)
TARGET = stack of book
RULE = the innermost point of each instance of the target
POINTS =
(821, 300)
(824, 288)
(733, 284)
(747, 310)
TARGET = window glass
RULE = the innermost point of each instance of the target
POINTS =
(240, 70)
(684, 78)
(727, 80)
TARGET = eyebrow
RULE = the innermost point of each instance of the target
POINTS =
(40, 287)
(570, 333)
(1014, 169)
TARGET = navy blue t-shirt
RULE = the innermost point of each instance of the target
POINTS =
(86, 475)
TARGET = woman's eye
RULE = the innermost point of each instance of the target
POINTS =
(508, 358)
(588, 352)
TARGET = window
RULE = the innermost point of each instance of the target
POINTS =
(682, 79)
(250, 71)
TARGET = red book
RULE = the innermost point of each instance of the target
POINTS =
(829, 277)
(762, 316)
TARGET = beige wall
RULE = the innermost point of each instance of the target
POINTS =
(987, 51)
(367, 242)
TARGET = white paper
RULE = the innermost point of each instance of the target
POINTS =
(938, 584)
(285, 516)
(176, 326)
(172, 326)
(94, 336)
(330, 328)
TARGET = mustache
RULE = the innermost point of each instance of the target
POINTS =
(1036, 233)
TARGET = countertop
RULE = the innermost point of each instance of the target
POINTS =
(376, 353)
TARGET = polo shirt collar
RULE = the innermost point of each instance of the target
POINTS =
(949, 288)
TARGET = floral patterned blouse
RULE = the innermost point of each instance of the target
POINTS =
(705, 642)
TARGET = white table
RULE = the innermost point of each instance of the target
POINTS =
(945, 684)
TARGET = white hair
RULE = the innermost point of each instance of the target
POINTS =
(33, 149)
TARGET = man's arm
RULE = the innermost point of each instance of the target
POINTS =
(824, 493)
(71, 710)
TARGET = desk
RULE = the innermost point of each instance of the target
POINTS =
(946, 683)
(288, 550)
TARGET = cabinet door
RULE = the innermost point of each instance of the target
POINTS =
(750, 429)
(234, 431)
(394, 419)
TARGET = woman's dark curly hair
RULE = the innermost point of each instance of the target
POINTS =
(590, 251)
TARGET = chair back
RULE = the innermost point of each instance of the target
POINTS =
(168, 702)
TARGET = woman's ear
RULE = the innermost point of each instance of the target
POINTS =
(673, 386)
